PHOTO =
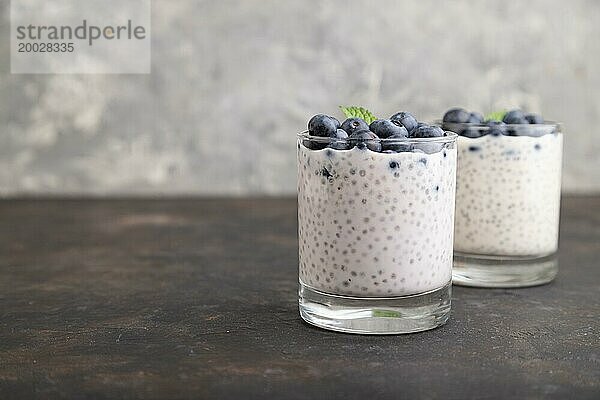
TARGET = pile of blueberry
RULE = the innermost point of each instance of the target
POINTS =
(509, 126)
(355, 132)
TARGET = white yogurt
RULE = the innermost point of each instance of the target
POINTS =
(508, 195)
(375, 224)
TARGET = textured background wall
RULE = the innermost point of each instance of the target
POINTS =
(233, 81)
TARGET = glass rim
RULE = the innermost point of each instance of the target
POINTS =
(449, 138)
(546, 124)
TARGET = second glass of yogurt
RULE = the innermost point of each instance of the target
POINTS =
(507, 201)
(376, 232)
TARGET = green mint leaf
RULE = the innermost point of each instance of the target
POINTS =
(358, 112)
(496, 115)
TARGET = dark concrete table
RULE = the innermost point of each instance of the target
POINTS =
(197, 299)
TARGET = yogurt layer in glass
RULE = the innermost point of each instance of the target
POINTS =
(508, 195)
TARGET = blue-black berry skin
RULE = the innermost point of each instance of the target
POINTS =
(323, 125)
(475, 118)
(405, 119)
(514, 117)
(473, 132)
(385, 128)
(365, 139)
(420, 124)
(352, 125)
(313, 145)
(427, 131)
(497, 128)
(534, 118)
(457, 115)
(340, 140)
(396, 147)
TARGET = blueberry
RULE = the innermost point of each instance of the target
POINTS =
(400, 145)
(313, 145)
(339, 141)
(385, 128)
(352, 125)
(514, 117)
(341, 134)
(475, 118)
(420, 124)
(497, 128)
(457, 115)
(404, 119)
(438, 131)
(342, 143)
(427, 131)
(365, 139)
(323, 125)
(534, 118)
(472, 132)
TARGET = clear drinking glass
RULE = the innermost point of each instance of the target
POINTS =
(376, 233)
(507, 205)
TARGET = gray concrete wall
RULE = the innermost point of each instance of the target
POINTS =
(233, 81)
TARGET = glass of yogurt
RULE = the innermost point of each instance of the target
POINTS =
(507, 199)
(376, 218)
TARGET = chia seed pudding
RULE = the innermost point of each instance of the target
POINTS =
(508, 187)
(376, 223)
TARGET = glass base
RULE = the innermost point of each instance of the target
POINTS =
(503, 272)
(375, 315)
